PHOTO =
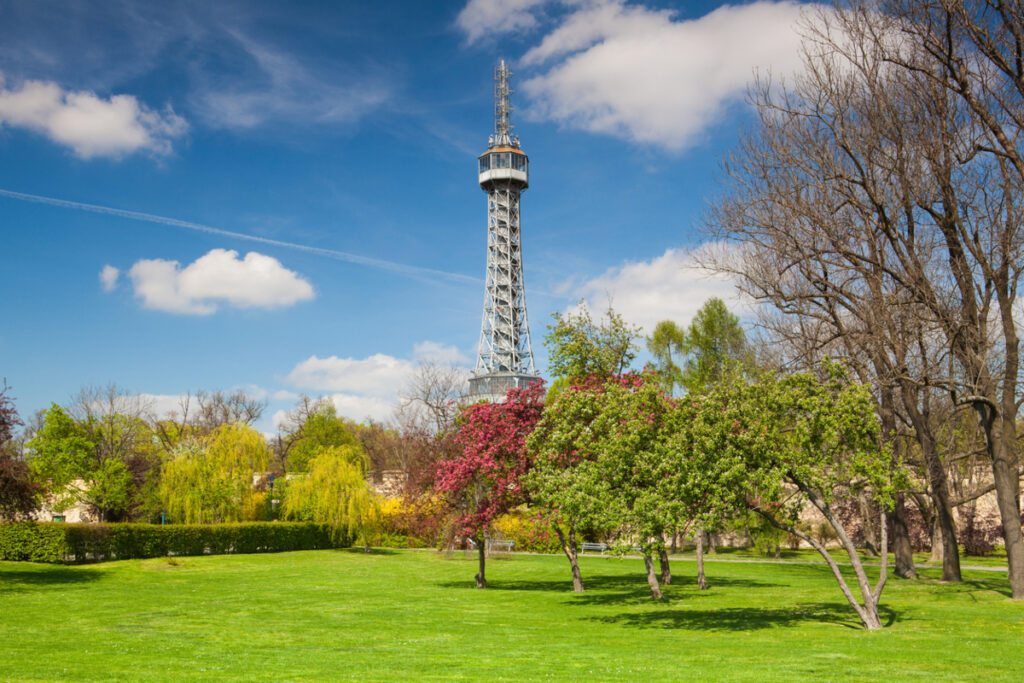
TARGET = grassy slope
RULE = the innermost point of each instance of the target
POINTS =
(333, 614)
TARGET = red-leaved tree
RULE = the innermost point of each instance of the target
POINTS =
(18, 493)
(486, 478)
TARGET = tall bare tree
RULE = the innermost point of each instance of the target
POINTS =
(872, 200)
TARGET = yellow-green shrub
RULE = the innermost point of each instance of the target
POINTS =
(529, 530)
(412, 522)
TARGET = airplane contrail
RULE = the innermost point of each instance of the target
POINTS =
(400, 268)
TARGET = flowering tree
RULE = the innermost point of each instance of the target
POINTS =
(779, 444)
(486, 478)
(644, 476)
(568, 478)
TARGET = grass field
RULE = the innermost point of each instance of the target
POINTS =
(415, 615)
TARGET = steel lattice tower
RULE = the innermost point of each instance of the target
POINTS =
(505, 358)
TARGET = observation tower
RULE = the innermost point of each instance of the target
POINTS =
(505, 357)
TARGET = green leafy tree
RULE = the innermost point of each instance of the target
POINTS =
(666, 344)
(642, 475)
(64, 457)
(566, 479)
(334, 492)
(779, 444)
(715, 347)
(580, 347)
(321, 428)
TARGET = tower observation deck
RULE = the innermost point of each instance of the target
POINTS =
(505, 356)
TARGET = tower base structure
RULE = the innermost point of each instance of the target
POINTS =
(494, 386)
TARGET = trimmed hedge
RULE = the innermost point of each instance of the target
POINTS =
(58, 542)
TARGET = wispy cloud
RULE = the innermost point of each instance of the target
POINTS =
(380, 264)
(278, 86)
(239, 65)
(481, 17)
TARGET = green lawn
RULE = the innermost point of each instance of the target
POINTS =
(408, 614)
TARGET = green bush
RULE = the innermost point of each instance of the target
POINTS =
(31, 542)
(60, 542)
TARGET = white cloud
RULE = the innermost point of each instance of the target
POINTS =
(108, 278)
(366, 387)
(90, 125)
(672, 286)
(279, 419)
(377, 375)
(164, 405)
(443, 354)
(257, 281)
(480, 17)
(359, 408)
(646, 76)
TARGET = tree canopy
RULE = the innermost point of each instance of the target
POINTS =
(580, 347)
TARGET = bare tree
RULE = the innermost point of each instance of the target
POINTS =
(971, 49)
(203, 411)
(869, 203)
(115, 418)
(435, 391)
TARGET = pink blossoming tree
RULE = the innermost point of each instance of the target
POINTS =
(485, 479)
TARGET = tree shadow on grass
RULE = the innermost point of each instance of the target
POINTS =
(607, 590)
(362, 551)
(993, 585)
(20, 580)
(747, 618)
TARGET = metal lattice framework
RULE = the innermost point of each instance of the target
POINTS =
(505, 332)
(505, 353)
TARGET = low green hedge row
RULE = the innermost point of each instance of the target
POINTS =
(60, 542)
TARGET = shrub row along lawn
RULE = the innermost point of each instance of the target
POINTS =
(408, 614)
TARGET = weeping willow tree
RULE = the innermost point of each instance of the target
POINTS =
(208, 481)
(334, 492)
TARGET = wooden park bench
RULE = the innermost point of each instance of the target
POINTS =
(599, 547)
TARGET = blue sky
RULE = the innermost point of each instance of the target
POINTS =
(282, 196)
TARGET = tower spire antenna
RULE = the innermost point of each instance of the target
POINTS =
(505, 354)
(502, 106)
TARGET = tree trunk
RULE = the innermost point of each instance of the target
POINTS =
(481, 551)
(652, 578)
(1007, 498)
(870, 537)
(902, 550)
(919, 412)
(666, 571)
(867, 609)
(937, 546)
(569, 548)
(702, 582)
